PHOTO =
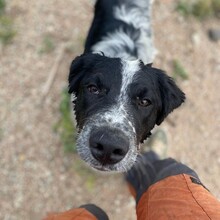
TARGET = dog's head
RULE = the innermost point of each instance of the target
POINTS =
(117, 103)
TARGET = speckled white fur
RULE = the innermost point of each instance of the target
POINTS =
(136, 13)
(113, 45)
(116, 117)
(139, 17)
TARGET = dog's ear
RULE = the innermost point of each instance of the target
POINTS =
(79, 67)
(76, 73)
(171, 96)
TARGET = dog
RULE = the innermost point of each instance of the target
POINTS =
(118, 95)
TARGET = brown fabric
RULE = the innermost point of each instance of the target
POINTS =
(177, 197)
(73, 214)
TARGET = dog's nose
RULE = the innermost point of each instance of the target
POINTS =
(108, 146)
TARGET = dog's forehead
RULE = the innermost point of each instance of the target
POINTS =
(117, 71)
(113, 64)
(107, 69)
(129, 70)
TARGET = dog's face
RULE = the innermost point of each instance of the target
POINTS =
(117, 104)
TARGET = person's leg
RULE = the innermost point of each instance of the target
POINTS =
(149, 169)
(170, 167)
(166, 189)
(87, 211)
(142, 174)
(96, 211)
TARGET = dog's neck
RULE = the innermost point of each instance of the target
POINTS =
(132, 39)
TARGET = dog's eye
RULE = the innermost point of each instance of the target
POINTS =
(93, 89)
(143, 102)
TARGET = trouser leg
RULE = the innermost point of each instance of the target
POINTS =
(149, 169)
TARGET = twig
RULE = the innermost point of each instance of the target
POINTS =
(171, 122)
(3, 114)
(53, 72)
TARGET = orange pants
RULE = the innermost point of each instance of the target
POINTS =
(163, 189)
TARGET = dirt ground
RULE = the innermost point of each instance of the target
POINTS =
(36, 176)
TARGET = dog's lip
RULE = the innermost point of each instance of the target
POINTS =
(101, 168)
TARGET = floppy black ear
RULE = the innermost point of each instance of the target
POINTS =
(79, 67)
(76, 73)
(171, 96)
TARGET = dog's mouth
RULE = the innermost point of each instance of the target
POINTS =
(121, 166)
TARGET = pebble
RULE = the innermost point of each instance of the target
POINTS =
(196, 39)
(214, 34)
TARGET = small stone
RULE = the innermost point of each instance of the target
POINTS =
(196, 39)
(22, 157)
(214, 34)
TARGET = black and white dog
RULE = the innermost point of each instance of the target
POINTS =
(119, 96)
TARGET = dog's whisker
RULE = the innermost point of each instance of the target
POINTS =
(101, 137)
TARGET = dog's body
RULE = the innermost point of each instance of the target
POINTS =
(118, 99)
(121, 28)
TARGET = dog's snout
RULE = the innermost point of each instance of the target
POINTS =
(108, 146)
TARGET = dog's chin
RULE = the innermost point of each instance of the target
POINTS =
(103, 169)
(116, 168)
